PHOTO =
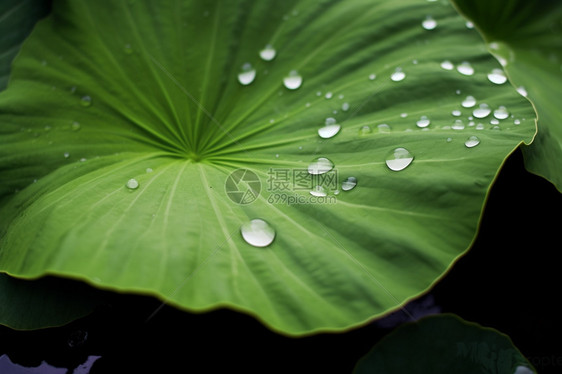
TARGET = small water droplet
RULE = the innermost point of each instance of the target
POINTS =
(66, 155)
(456, 113)
(329, 131)
(321, 165)
(423, 122)
(86, 101)
(349, 184)
(318, 191)
(479, 126)
(458, 125)
(472, 141)
(516, 122)
(522, 91)
(128, 49)
(469, 102)
(75, 126)
(448, 140)
(398, 75)
(482, 111)
(293, 80)
(345, 107)
(497, 76)
(328, 95)
(247, 74)
(257, 233)
(429, 23)
(465, 68)
(447, 65)
(501, 112)
(365, 130)
(399, 159)
(469, 25)
(268, 53)
(132, 184)
(494, 121)
(383, 128)
(149, 170)
(403, 115)
(372, 77)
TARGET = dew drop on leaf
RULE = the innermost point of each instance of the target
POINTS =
(423, 122)
(429, 23)
(447, 65)
(329, 131)
(132, 184)
(399, 159)
(293, 80)
(66, 155)
(372, 77)
(458, 125)
(345, 107)
(328, 95)
(497, 76)
(320, 165)
(398, 75)
(456, 113)
(365, 130)
(268, 53)
(522, 91)
(465, 68)
(472, 141)
(318, 191)
(257, 233)
(247, 74)
(482, 111)
(469, 102)
(501, 112)
(86, 101)
(383, 128)
(349, 183)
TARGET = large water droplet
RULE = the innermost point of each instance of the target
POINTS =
(293, 80)
(429, 23)
(398, 75)
(320, 165)
(349, 184)
(132, 184)
(482, 111)
(469, 102)
(318, 191)
(268, 53)
(472, 141)
(423, 122)
(86, 101)
(501, 112)
(257, 233)
(447, 65)
(497, 76)
(465, 68)
(399, 159)
(247, 74)
(329, 131)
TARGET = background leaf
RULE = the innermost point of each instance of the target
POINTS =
(135, 91)
(444, 344)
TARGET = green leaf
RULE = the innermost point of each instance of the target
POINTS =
(150, 94)
(444, 344)
(527, 37)
(17, 18)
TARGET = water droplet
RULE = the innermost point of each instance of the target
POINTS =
(247, 74)
(448, 140)
(522, 91)
(128, 49)
(383, 128)
(329, 131)
(479, 126)
(458, 125)
(523, 370)
(516, 122)
(257, 233)
(149, 170)
(423, 122)
(365, 130)
(349, 184)
(403, 115)
(497, 76)
(472, 141)
(75, 126)
(66, 155)
(328, 95)
(399, 159)
(456, 113)
(469, 25)
(398, 75)
(469, 102)
(494, 121)
(320, 165)
(447, 65)
(132, 184)
(501, 112)
(345, 107)
(293, 80)
(268, 53)
(372, 77)
(318, 191)
(465, 68)
(429, 23)
(482, 111)
(86, 101)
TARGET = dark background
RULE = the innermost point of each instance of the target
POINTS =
(509, 280)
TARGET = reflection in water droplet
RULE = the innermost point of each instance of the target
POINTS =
(501, 112)
(318, 191)
(349, 184)
(497, 76)
(365, 130)
(472, 141)
(329, 131)
(482, 111)
(86, 101)
(320, 165)
(447, 65)
(429, 23)
(268, 53)
(257, 233)
(132, 184)
(423, 122)
(469, 102)
(399, 159)
(247, 74)
(398, 75)
(465, 68)
(293, 80)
